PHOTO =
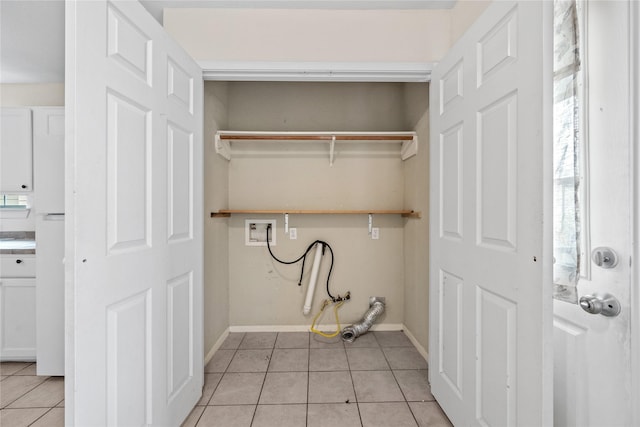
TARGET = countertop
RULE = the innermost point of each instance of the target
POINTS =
(17, 242)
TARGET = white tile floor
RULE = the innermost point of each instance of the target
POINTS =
(301, 379)
(272, 379)
(29, 400)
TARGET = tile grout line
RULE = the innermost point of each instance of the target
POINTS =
(353, 386)
(255, 410)
(406, 402)
(222, 374)
(41, 416)
(308, 377)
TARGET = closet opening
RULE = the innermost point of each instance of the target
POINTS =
(292, 182)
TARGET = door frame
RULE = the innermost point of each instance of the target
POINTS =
(634, 138)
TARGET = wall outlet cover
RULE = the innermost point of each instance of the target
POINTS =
(255, 232)
(375, 233)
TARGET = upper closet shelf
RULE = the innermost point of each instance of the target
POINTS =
(407, 141)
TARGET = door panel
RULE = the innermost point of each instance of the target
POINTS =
(134, 241)
(497, 139)
(129, 141)
(129, 361)
(490, 329)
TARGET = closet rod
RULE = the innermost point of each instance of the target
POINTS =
(316, 136)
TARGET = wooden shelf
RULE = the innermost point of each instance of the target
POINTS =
(408, 140)
(224, 213)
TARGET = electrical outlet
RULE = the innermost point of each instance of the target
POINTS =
(375, 233)
(293, 233)
(256, 232)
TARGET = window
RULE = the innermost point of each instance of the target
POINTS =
(569, 138)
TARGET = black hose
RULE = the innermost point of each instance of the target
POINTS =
(303, 258)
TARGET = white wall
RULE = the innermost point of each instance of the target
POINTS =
(28, 95)
(310, 35)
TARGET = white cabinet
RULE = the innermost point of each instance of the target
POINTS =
(48, 159)
(18, 308)
(16, 151)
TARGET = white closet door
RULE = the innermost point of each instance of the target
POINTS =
(490, 310)
(134, 227)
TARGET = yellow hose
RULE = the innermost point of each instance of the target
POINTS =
(336, 306)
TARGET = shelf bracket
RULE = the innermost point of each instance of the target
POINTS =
(332, 149)
(286, 223)
(222, 147)
(370, 223)
(409, 148)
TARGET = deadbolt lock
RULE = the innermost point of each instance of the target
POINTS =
(604, 257)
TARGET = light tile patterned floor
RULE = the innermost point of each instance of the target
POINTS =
(300, 379)
(29, 400)
(273, 379)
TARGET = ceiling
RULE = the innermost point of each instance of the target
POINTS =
(32, 31)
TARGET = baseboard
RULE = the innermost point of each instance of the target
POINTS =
(216, 346)
(423, 352)
(305, 328)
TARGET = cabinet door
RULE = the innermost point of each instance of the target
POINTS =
(16, 152)
(48, 159)
(17, 319)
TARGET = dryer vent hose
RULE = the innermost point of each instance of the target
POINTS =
(376, 308)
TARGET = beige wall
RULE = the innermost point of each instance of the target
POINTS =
(310, 35)
(463, 14)
(416, 231)
(266, 293)
(298, 35)
(31, 95)
(216, 230)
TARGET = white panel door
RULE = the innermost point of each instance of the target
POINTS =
(490, 313)
(593, 352)
(134, 220)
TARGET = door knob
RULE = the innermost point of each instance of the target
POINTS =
(607, 305)
(604, 257)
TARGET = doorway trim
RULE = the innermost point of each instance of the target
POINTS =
(634, 137)
(317, 71)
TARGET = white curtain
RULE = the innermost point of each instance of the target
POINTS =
(566, 210)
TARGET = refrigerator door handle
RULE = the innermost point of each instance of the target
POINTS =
(53, 217)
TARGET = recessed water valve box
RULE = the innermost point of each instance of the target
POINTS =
(255, 232)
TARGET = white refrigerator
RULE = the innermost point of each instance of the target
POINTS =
(48, 152)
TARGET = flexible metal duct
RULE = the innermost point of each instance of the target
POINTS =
(376, 308)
